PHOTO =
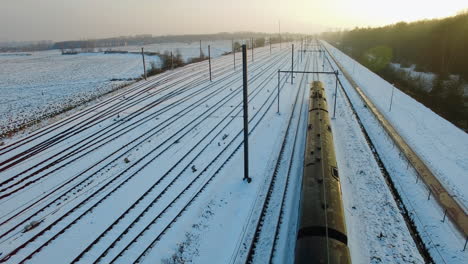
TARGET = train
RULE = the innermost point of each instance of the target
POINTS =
(321, 234)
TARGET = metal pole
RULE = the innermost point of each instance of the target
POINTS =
(302, 48)
(252, 43)
(209, 60)
(278, 90)
(270, 45)
(234, 53)
(201, 52)
(466, 241)
(322, 54)
(172, 61)
(144, 65)
(279, 30)
(292, 63)
(391, 98)
(336, 90)
(246, 115)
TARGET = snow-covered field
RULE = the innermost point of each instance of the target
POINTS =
(154, 174)
(46, 82)
(187, 50)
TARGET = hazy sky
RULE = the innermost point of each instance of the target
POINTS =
(81, 19)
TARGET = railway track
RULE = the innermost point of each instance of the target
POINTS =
(93, 141)
(272, 201)
(165, 88)
(186, 110)
(159, 79)
(455, 212)
(59, 232)
(179, 73)
(128, 94)
(175, 115)
(174, 219)
(114, 110)
(406, 215)
(53, 127)
(179, 196)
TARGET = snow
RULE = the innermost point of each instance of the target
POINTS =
(443, 146)
(187, 50)
(442, 239)
(82, 232)
(183, 179)
(365, 196)
(46, 82)
(426, 78)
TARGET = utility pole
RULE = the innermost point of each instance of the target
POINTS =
(144, 65)
(292, 63)
(279, 31)
(323, 60)
(270, 45)
(336, 90)
(200, 50)
(252, 43)
(246, 115)
(209, 60)
(391, 98)
(234, 53)
(172, 61)
(302, 48)
(278, 90)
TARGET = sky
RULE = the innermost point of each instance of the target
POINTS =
(23, 20)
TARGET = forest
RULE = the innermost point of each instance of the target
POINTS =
(437, 46)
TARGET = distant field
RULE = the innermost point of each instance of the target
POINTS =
(187, 50)
(41, 83)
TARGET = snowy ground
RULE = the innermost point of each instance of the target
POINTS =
(443, 146)
(46, 81)
(442, 239)
(42, 83)
(155, 174)
(162, 155)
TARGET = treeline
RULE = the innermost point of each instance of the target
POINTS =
(175, 60)
(27, 46)
(168, 61)
(91, 44)
(259, 42)
(439, 46)
(149, 39)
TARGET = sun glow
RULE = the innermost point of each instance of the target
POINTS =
(350, 13)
